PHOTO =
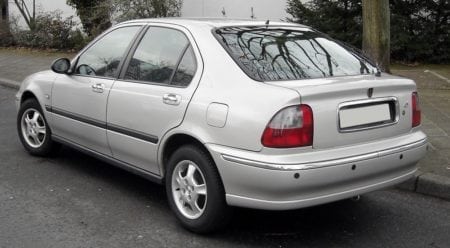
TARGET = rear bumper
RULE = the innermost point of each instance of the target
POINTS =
(359, 169)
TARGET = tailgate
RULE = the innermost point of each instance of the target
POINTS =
(357, 109)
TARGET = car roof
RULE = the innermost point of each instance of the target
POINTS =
(213, 22)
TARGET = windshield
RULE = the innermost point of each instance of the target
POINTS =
(272, 54)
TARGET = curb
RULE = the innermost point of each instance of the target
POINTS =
(423, 183)
(9, 83)
(428, 184)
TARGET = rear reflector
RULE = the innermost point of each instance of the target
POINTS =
(291, 127)
(416, 115)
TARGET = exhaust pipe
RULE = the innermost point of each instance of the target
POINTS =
(356, 198)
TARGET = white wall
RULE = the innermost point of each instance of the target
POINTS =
(263, 9)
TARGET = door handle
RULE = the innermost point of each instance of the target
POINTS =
(99, 88)
(172, 99)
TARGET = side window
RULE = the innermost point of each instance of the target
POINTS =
(156, 58)
(103, 58)
(186, 70)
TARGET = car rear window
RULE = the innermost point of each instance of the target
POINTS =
(278, 53)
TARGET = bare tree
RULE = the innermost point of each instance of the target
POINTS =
(28, 16)
(376, 31)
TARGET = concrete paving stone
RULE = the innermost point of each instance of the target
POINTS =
(435, 131)
(440, 142)
(447, 130)
(441, 108)
(436, 118)
(441, 123)
(428, 111)
(427, 124)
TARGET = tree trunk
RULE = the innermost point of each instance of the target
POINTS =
(5, 34)
(376, 32)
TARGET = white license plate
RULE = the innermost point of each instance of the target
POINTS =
(364, 115)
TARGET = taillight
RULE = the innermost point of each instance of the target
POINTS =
(291, 127)
(415, 109)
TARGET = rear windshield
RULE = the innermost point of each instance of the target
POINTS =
(275, 53)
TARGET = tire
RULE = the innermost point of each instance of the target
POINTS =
(33, 130)
(214, 213)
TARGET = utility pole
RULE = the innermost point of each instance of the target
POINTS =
(5, 33)
(376, 31)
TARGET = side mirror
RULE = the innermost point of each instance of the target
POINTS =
(61, 66)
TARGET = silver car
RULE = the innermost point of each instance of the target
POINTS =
(265, 115)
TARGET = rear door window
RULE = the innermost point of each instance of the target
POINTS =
(159, 54)
(186, 69)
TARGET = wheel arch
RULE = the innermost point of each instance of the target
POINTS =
(175, 141)
(28, 95)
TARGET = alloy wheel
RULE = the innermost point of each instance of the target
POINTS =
(33, 128)
(189, 189)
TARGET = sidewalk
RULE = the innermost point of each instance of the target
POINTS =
(434, 89)
(433, 84)
(15, 65)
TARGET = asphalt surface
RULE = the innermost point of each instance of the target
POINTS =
(73, 200)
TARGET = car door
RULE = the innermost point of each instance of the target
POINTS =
(152, 95)
(79, 100)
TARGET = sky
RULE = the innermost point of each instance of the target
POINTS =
(262, 9)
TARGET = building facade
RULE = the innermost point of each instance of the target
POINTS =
(258, 9)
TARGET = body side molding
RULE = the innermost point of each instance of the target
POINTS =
(118, 129)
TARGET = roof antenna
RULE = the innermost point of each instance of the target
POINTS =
(253, 14)
(378, 73)
(267, 23)
(224, 14)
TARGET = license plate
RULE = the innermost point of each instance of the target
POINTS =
(361, 116)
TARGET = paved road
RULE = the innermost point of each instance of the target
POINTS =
(73, 200)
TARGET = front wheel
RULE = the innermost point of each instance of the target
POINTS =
(195, 191)
(33, 130)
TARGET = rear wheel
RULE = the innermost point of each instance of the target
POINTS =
(33, 130)
(195, 191)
